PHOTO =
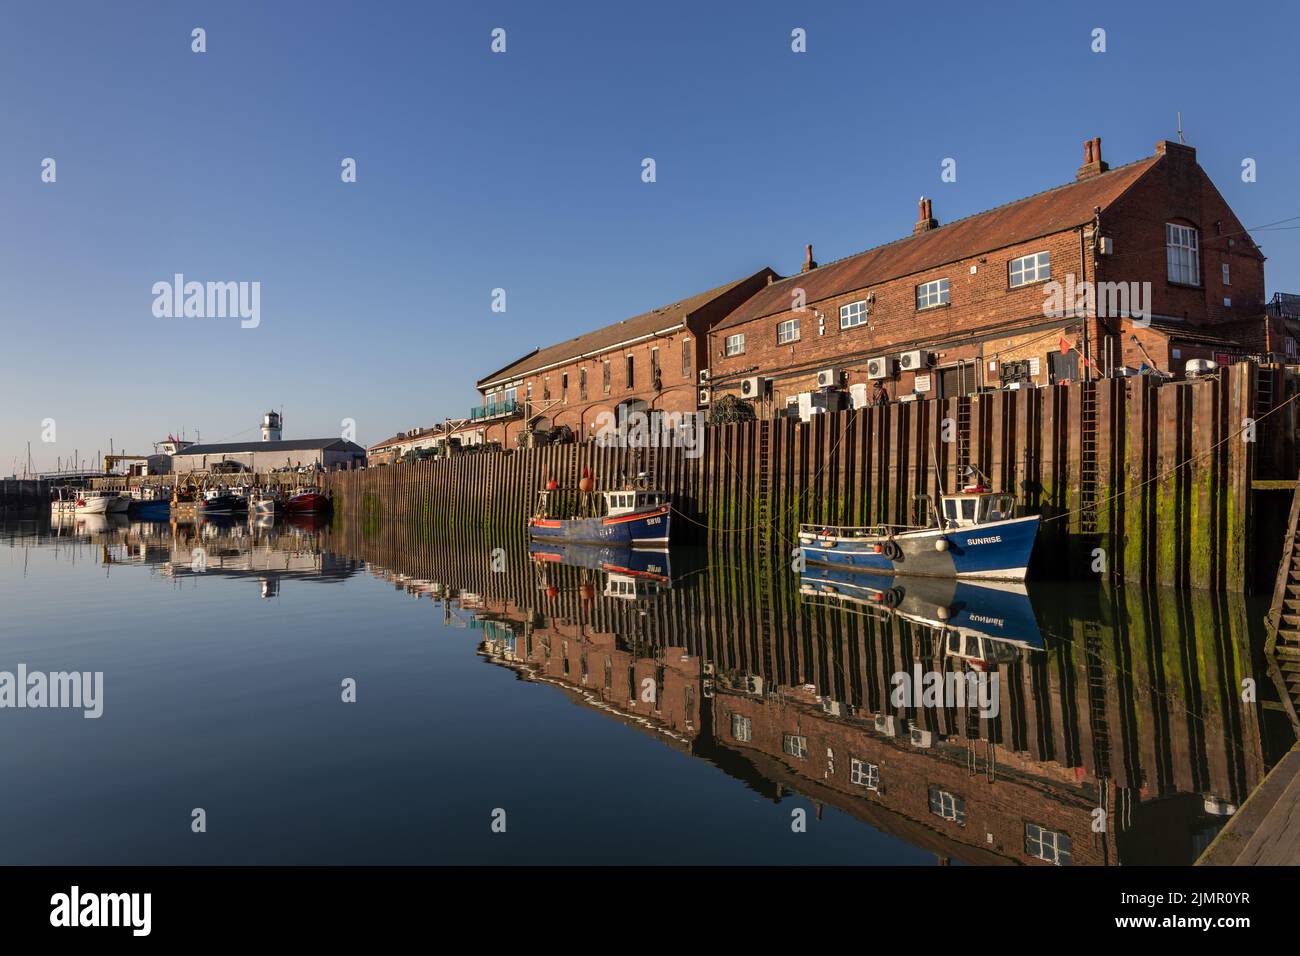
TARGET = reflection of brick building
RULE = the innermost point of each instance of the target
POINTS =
(962, 304)
(1114, 712)
(651, 360)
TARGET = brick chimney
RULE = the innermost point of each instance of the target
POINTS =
(808, 264)
(925, 220)
(1093, 165)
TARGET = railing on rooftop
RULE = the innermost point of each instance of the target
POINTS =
(494, 410)
(1285, 305)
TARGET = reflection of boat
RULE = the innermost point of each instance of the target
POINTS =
(982, 622)
(975, 536)
(634, 562)
(632, 517)
(307, 501)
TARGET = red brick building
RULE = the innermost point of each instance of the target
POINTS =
(649, 362)
(962, 306)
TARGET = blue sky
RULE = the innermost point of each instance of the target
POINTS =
(523, 171)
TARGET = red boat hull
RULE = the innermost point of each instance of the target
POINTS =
(307, 504)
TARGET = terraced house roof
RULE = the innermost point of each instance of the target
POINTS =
(662, 319)
(1021, 221)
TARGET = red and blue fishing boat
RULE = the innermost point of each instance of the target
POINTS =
(635, 517)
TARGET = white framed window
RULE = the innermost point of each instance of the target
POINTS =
(1227, 274)
(864, 774)
(1050, 845)
(947, 805)
(853, 314)
(931, 294)
(1183, 246)
(795, 746)
(741, 728)
(735, 344)
(1028, 269)
(787, 332)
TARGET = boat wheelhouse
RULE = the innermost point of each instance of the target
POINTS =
(973, 534)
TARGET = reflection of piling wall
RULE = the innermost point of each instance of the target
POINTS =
(1151, 474)
(1135, 708)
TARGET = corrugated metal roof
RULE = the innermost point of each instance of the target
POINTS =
(647, 323)
(295, 444)
(1042, 214)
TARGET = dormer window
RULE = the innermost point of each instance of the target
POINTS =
(1183, 247)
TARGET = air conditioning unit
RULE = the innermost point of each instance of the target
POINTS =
(709, 669)
(830, 378)
(708, 690)
(916, 359)
(704, 376)
(1105, 246)
(754, 685)
(884, 725)
(753, 387)
(703, 395)
(882, 367)
(920, 738)
(831, 707)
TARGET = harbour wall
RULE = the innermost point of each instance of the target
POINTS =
(1136, 480)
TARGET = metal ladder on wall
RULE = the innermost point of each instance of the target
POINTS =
(763, 537)
(1263, 405)
(963, 439)
(1088, 459)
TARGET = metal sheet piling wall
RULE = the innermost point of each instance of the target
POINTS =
(1159, 494)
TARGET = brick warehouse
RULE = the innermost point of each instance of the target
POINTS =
(955, 308)
(647, 362)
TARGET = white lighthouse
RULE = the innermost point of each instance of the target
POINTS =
(271, 426)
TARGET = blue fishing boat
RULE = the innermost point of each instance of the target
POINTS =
(631, 517)
(973, 534)
(150, 504)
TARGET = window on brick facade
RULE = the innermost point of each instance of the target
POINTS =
(1182, 245)
(604, 377)
(787, 332)
(930, 294)
(1050, 845)
(631, 371)
(1227, 274)
(864, 774)
(546, 389)
(686, 359)
(735, 344)
(656, 380)
(741, 727)
(582, 384)
(795, 746)
(564, 387)
(853, 314)
(1028, 269)
(947, 805)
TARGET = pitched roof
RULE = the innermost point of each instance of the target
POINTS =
(1039, 215)
(402, 437)
(295, 444)
(647, 323)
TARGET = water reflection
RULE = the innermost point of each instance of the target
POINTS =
(1121, 735)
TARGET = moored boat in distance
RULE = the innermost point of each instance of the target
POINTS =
(973, 534)
(150, 503)
(266, 502)
(90, 502)
(219, 501)
(631, 517)
(307, 501)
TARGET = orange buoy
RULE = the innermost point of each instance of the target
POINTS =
(552, 591)
(551, 484)
(588, 484)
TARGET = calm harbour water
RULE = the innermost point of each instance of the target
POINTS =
(495, 680)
